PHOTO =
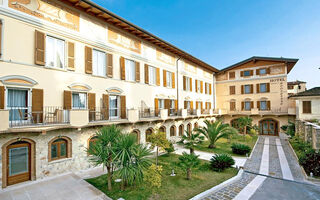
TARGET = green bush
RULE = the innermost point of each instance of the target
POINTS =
(169, 149)
(240, 149)
(310, 161)
(219, 162)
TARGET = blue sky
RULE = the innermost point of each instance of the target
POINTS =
(224, 32)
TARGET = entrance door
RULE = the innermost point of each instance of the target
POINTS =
(18, 163)
(269, 127)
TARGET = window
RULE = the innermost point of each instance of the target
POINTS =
(232, 105)
(263, 87)
(98, 63)
(199, 104)
(207, 88)
(79, 100)
(161, 103)
(58, 149)
(188, 105)
(169, 79)
(198, 86)
(17, 103)
(232, 75)
(306, 107)
(55, 52)
(263, 71)
(290, 87)
(247, 105)
(114, 106)
(188, 86)
(172, 107)
(172, 131)
(149, 131)
(263, 105)
(247, 73)
(232, 90)
(152, 75)
(247, 89)
(130, 66)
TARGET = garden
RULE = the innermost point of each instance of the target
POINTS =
(137, 171)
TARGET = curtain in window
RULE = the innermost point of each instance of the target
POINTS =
(130, 70)
(113, 106)
(79, 100)
(98, 63)
(17, 100)
(152, 75)
(54, 52)
(169, 79)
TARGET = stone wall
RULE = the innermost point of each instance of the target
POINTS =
(310, 132)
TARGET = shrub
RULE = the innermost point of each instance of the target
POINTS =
(170, 148)
(252, 132)
(310, 162)
(240, 149)
(153, 176)
(220, 162)
(247, 137)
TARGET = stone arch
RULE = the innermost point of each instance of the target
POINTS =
(172, 131)
(136, 132)
(269, 126)
(181, 130)
(162, 129)
(149, 131)
(69, 146)
(5, 159)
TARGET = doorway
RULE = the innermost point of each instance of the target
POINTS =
(268, 127)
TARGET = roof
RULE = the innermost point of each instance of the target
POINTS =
(308, 93)
(293, 61)
(94, 9)
(297, 82)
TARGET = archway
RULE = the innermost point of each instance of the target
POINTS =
(189, 129)
(181, 130)
(162, 129)
(149, 131)
(269, 127)
(172, 131)
(136, 132)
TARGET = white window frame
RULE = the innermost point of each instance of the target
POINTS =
(85, 103)
(129, 70)
(99, 64)
(169, 79)
(55, 50)
(152, 72)
(188, 105)
(188, 84)
(198, 86)
(161, 103)
(117, 108)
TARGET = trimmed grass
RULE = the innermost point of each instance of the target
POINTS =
(224, 146)
(173, 188)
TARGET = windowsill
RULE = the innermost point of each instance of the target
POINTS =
(59, 160)
(55, 68)
(130, 81)
(99, 76)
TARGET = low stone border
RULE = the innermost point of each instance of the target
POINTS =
(253, 148)
(217, 187)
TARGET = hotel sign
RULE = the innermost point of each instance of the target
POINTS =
(280, 82)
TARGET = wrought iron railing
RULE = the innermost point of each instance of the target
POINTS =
(148, 113)
(104, 114)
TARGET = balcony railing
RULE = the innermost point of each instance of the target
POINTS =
(26, 116)
(192, 111)
(205, 111)
(148, 113)
(103, 114)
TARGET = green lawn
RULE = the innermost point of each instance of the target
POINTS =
(175, 188)
(224, 145)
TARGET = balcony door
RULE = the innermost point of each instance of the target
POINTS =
(17, 103)
(18, 162)
(268, 127)
(114, 106)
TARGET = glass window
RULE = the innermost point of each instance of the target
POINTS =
(263, 71)
(130, 70)
(208, 88)
(79, 100)
(17, 103)
(199, 104)
(114, 106)
(98, 63)
(161, 103)
(169, 79)
(58, 149)
(198, 86)
(187, 84)
(18, 160)
(152, 75)
(263, 87)
(263, 105)
(54, 52)
(247, 105)
(247, 73)
(247, 89)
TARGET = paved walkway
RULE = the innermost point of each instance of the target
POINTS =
(272, 172)
(65, 187)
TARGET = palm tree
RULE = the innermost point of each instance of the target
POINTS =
(131, 160)
(214, 131)
(245, 123)
(103, 150)
(190, 141)
(187, 162)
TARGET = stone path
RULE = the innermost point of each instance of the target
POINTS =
(65, 187)
(272, 172)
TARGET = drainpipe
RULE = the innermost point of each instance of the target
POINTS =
(177, 85)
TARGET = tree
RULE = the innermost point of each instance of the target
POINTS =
(153, 176)
(187, 162)
(214, 131)
(158, 139)
(131, 160)
(103, 150)
(245, 123)
(190, 141)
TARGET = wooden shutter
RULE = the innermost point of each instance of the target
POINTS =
(71, 56)
(37, 104)
(242, 105)
(173, 80)
(67, 99)
(176, 104)
(268, 70)
(92, 106)
(201, 104)
(109, 57)
(40, 48)
(196, 83)
(0, 38)
(269, 105)
(306, 107)
(88, 60)
(184, 83)
(268, 87)
(137, 71)
(164, 78)
(232, 89)
(257, 71)
(201, 86)
(232, 75)
(232, 105)
(210, 90)
(2, 97)
(251, 88)
(242, 89)
(122, 69)
(158, 76)
(242, 73)
(167, 104)
(191, 104)
(105, 106)
(191, 84)
(252, 104)
(156, 106)
(185, 104)
(123, 107)
(258, 88)
(258, 105)
(205, 88)
(146, 74)
(251, 72)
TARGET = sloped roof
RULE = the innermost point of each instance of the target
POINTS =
(297, 82)
(292, 61)
(311, 92)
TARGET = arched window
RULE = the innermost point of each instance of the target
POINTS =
(136, 132)
(148, 133)
(59, 148)
(181, 130)
(189, 126)
(92, 140)
(162, 129)
(172, 131)
(196, 125)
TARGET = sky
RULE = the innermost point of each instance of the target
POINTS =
(224, 32)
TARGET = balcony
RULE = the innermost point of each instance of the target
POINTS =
(99, 114)
(148, 113)
(192, 112)
(255, 111)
